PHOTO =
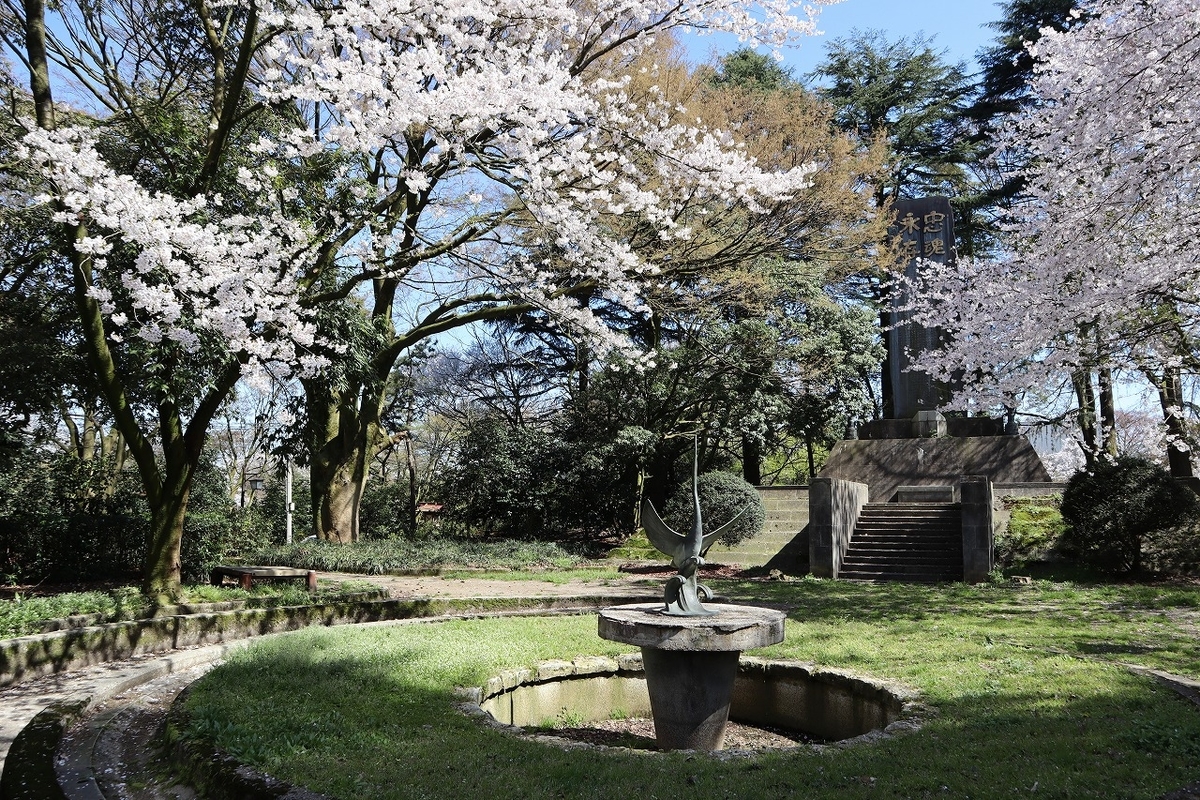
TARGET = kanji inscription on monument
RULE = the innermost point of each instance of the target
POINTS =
(925, 228)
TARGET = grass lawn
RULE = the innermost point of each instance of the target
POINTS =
(1031, 694)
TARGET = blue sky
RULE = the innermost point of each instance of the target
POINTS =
(957, 25)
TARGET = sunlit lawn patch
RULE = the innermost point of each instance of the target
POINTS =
(1028, 684)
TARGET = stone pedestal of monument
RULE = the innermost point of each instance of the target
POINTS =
(690, 664)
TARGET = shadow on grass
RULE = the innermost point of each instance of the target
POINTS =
(830, 600)
(376, 720)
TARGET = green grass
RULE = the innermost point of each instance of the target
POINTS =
(1035, 530)
(1029, 686)
(24, 616)
(402, 555)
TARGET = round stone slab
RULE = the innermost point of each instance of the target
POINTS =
(732, 628)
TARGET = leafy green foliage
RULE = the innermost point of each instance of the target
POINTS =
(273, 508)
(1111, 509)
(400, 555)
(904, 90)
(520, 480)
(384, 511)
(723, 496)
(749, 69)
(216, 531)
(1007, 64)
(66, 519)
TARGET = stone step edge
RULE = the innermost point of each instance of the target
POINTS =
(29, 774)
(27, 657)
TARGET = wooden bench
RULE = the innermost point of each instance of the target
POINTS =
(245, 575)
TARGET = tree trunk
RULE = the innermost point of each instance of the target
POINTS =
(336, 497)
(1085, 394)
(1108, 413)
(1170, 396)
(39, 63)
(751, 462)
(414, 488)
(163, 564)
(338, 472)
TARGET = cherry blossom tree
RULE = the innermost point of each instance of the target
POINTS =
(247, 171)
(1103, 271)
(552, 175)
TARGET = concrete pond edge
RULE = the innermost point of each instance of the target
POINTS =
(910, 712)
(31, 756)
(28, 772)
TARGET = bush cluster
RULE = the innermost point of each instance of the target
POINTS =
(1113, 509)
(723, 496)
(397, 555)
(524, 481)
(63, 520)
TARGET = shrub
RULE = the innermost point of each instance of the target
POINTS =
(400, 555)
(274, 508)
(1034, 532)
(1110, 511)
(66, 519)
(385, 511)
(722, 496)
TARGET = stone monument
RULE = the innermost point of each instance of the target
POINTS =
(925, 228)
(916, 458)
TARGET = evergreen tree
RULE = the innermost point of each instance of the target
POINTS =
(904, 91)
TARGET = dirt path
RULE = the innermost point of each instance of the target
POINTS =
(410, 587)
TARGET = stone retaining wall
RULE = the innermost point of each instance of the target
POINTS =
(43, 654)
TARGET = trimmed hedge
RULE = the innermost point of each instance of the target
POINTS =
(722, 496)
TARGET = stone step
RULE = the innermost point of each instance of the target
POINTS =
(912, 542)
(883, 548)
(901, 562)
(886, 527)
(888, 577)
(953, 519)
(905, 567)
(936, 524)
(913, 505)
(910, 530)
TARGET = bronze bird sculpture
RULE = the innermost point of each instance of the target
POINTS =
(683, 593)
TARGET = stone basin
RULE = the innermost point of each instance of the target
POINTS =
(690, 663)
(829, 705)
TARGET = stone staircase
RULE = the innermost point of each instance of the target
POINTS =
(787, 514)
(913, 542)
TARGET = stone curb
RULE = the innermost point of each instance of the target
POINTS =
(29, 767)
(28, 772)
(911, 712)
(43, 654)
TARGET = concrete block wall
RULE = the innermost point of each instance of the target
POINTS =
(834, 506)
(978, 536)
(787, 518)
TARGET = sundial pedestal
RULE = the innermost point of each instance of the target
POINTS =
(691, 663)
